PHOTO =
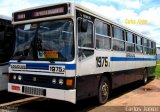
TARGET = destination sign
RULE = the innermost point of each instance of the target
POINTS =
(49, 11)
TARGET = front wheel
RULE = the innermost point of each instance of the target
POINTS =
(103, 91)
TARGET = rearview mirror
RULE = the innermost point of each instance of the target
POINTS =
(83, 25)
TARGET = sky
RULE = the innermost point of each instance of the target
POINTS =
(142, 16)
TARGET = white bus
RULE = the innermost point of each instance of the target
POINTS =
(67, 52)
(6, 49)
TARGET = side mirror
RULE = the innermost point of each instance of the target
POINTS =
(82, 25)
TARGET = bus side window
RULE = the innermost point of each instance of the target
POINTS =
(103, 39)
(145, 45)
(130, 46)
(85, 40)
(118, 39)
(139, 47)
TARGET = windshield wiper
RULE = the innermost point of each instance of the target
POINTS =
(21, 58)
(23, 55)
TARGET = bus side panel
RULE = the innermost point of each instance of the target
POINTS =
(3, 77)
(85, 78)
(87, 86)
(126, 76)
(118, 63)
(140, 64)
(150, 62)
(89, 72)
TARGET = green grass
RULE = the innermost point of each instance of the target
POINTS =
(158, 62)
(157, 71)
(158, 68)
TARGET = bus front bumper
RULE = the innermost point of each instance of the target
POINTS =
(58, 94)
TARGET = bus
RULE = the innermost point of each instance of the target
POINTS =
(6, 49)
(67, 52)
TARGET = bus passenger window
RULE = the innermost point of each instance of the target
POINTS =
(118, 40)
(139, 47)
(130, 46)
(103, 39)
(85, 40)
(145, 49)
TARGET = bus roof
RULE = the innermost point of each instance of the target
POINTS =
(87, 10)
(5, 17)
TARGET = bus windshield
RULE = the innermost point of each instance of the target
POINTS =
(45, 41)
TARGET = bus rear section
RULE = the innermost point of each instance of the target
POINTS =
(6, 49)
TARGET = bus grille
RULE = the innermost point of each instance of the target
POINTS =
(34, 91)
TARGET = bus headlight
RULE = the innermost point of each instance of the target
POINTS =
(19, 77)
(60, 81)
(14, 77)
(54, 80)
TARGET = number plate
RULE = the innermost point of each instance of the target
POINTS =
(57, 69)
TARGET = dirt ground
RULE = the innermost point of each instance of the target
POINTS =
(147, 95)
(143, 99)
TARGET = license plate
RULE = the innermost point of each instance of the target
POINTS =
(57, 69)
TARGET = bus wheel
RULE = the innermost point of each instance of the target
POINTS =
(145, 76)
(103, 91)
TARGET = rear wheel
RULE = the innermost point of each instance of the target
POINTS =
(145, 76)
(103, 91)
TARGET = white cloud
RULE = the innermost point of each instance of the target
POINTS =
(107, 11)
(152, 15)
(135, 4)
(9, 6)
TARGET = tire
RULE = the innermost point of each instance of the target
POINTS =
(145, 77)
(103, 91)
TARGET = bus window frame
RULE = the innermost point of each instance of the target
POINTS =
(85, 48)
(136, 43)
(110, 37)
(124, 38)
(133, 41)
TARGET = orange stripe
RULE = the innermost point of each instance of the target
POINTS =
(50, 52)
(51, 55)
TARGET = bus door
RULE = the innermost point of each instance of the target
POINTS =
(86, 63)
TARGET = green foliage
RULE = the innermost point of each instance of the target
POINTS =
(157, 71)
(158, 62)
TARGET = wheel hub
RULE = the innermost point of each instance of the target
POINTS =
(104, 89)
